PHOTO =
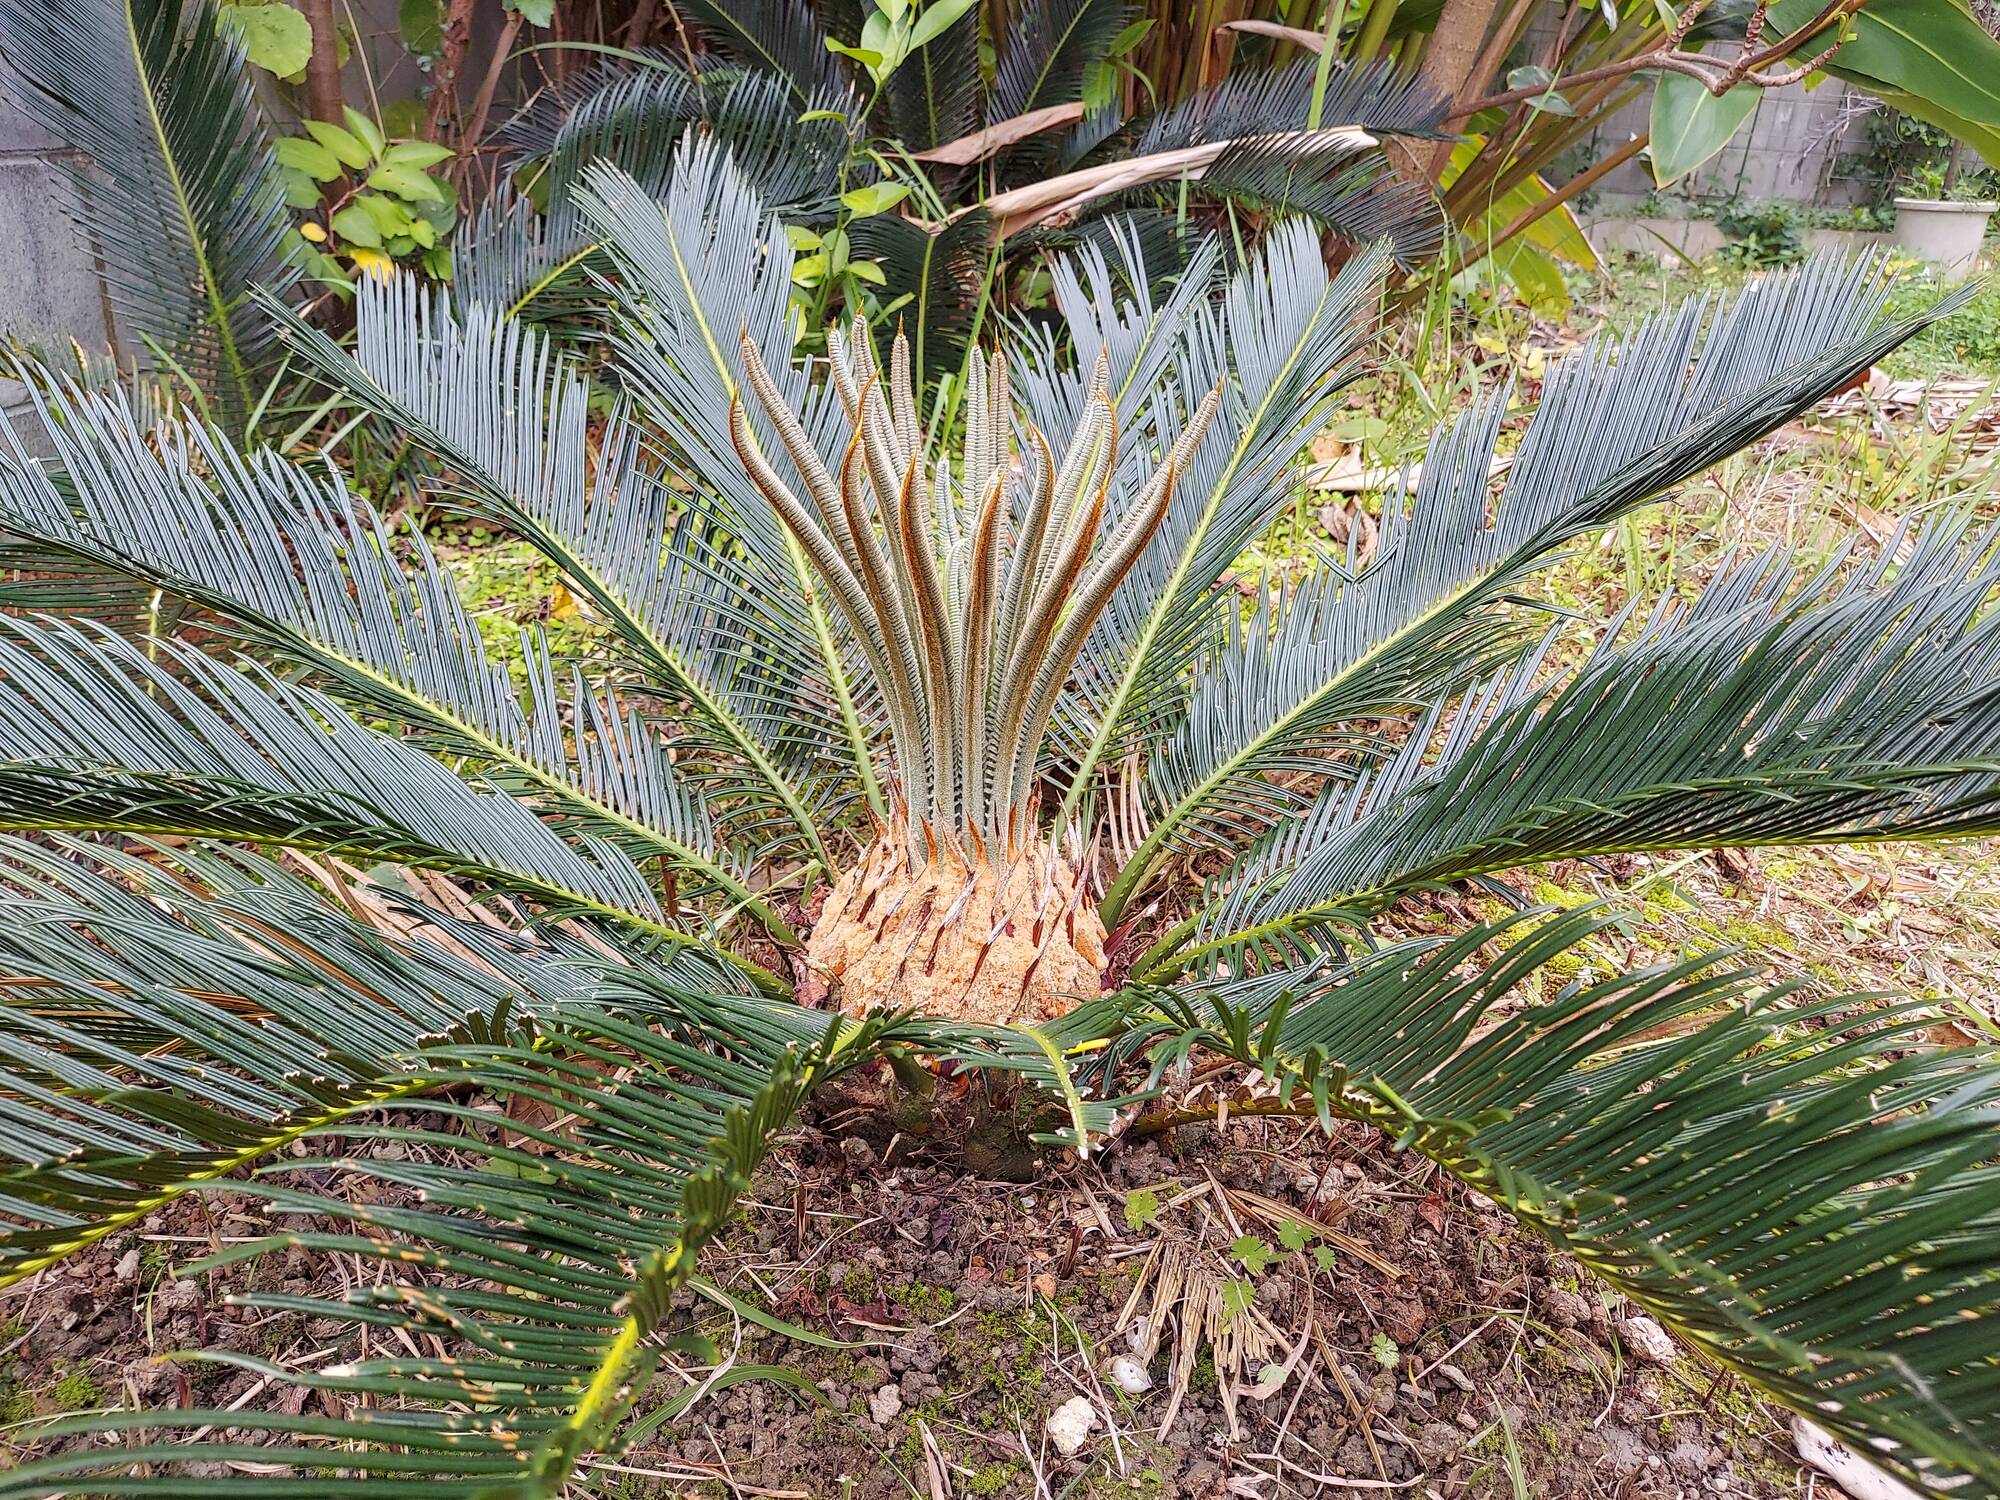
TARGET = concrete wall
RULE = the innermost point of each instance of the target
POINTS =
(50, 290)
(1799, 145)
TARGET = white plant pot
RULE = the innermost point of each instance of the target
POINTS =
(1948, 235)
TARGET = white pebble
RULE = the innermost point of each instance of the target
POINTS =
(1648, 1341)
(885, 1404)
(1069, 1425)
(1131, 1375)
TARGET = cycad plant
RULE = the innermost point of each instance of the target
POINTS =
(323, 870)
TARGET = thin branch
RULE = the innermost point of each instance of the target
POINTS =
(1713, 73)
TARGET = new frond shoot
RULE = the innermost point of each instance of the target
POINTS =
(970, 591)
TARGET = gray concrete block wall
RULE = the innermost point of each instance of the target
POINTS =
(50, 290)
(1799, 145)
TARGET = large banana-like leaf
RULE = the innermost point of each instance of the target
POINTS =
(1929, 58)
(302, 568)
(550, 1287)
(1805, 1191)
(1618, 423)
(1864, 706)
(185, 211)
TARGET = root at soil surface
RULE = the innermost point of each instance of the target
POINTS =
(959, 935)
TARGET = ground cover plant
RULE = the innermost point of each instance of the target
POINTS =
(887, 716)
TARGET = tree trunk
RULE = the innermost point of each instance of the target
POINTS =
(1455, 46)
(323, 96)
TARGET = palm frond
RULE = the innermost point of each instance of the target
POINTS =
(636, 121)
(1374, 96)
(296, 565)
(151, 1037)
(933, 96)
(101, 736)
(1284, 337)
(550, 1290)
(780, 37)
(1804, 1190)
(1352, 191)
(943, 271)
(1857, 707)
(1048, 50)
(507, 419)
(703, 274)
(1618, 423)
(185, 210)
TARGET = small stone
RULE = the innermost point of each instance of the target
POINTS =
(886, 1404)
(1069, 1425)
(857, 1151)
(128, 1265)
(1468, 1421)
(1131, 1375)
(1647, 1340)
(1455, 1375)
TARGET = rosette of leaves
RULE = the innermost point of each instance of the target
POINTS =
(326, 873)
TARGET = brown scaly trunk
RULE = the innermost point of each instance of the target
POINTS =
(1449, 67)
(959, 933)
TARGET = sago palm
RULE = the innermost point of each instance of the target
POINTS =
(322, 870)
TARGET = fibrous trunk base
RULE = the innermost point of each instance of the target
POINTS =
(959, 936)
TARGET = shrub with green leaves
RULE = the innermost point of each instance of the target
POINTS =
(321, 873)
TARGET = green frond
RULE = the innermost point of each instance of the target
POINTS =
(300, 568)
(781, 37)
(1864, 704)
(185, 210)
(550, 1288)
(506, 420)
(1618, 423)
(101, 736)
(1046, 55)
(1805, 1192)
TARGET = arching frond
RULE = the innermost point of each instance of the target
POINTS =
(299, 567)
(555, 1298)
(98, 735)
(944, 272)
(185, 210)
(780, 37)
(1859, 707)
(1804, 1190)
(1618, 423)
(506, 418)
(1048, 51)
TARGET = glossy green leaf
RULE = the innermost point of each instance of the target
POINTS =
(405, 183)
(416, 154)
(1930, 58)
(876, 198)
(309, 157)
(369, 132)
(345, 144)
(1690, 124)
(357, 226)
